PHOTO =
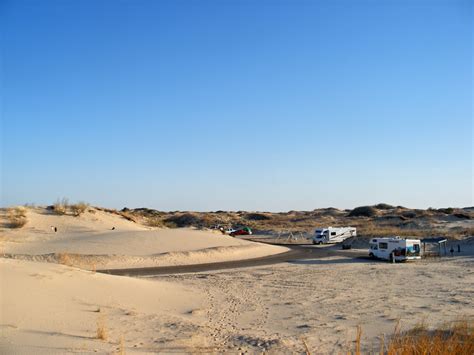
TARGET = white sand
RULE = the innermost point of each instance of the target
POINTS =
(323, 301)
(50, 308)
(90, 242)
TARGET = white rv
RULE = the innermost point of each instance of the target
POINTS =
(395, 249)
(333, 235)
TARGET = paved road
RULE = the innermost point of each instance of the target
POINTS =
(297, 252)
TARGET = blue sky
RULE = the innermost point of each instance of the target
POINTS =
(255, 105)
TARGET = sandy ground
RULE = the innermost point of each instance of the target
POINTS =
(322, 302)
(273, 308)
(89, 242)
(50, 308)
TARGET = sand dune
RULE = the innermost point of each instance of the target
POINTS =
(173, 258)
(90, 242)
(50, 308)
(54, 308)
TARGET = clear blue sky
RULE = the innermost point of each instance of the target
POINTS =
(250, 104)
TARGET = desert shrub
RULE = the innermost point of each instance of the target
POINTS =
(409, 214)
(128, 216)
(16, 217)
(383, 206)
(448, 210)
(145, 212)
(462, 216)
(363, 211)
(108, 210)
(184, 220)
(391, 217)
(154, 222)
(61, 206)
(256, 217)
(170, 224)
(79, 208)
(146, 215)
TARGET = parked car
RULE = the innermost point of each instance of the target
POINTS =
(228, 231)
(241, 231)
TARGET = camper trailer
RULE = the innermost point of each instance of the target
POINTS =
(395, 249)
(333, 235)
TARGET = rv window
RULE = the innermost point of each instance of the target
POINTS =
(416, 247)
(333, 233)
(383, 245)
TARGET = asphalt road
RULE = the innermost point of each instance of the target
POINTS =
(297, 252)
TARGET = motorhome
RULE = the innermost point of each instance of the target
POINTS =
(395, 249)
(333, 234)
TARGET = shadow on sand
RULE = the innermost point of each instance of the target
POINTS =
(354, 260)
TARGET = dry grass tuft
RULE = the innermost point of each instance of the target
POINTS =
(65, 259)
(121, 349)
(455, 338)
(102, 331)
(79, 208)
(358, 339)
(61, 206)
(306, 349)
(84, 262)
(16, 217)
(128, 216)
(154, 222)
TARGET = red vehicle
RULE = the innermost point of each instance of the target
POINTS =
(241, 231)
